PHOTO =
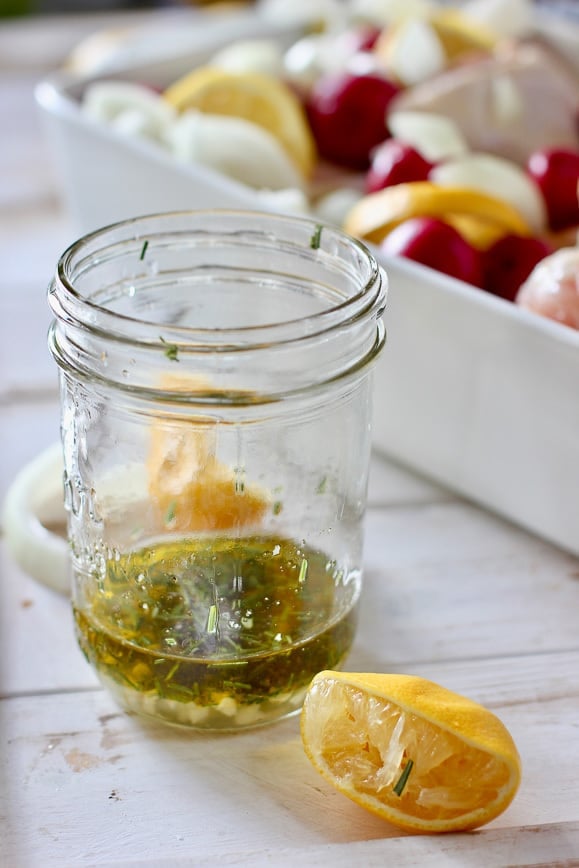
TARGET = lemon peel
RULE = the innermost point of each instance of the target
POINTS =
(375, 215)
(479, 233)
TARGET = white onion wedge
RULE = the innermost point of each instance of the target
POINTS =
(412, 52)
(304, 61)
(135, 123)
(291, 201)
(497, 177)
(298, 13)
(507, 18)
(236, 147)
(436, 137)
(318, 53)
(386, 12)
(104, 101)
(251, 55)
(333, 207)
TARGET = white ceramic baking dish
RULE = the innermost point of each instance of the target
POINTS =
(471, 391)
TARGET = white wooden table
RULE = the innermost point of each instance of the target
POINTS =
(451, 592)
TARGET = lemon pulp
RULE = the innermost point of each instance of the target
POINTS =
(416, 754)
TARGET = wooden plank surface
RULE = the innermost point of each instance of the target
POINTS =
(80, 764)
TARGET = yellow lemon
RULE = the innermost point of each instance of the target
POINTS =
(459, 35)
(481, 234)
(191, 489)
(375, 215)
(417, 754)
(255, 97)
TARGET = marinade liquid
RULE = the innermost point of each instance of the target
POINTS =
(217, 631)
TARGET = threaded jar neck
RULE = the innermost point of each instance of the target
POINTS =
(248, 307)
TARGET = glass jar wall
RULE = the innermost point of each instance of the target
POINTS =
(216, 396)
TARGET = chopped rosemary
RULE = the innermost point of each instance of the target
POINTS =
(277, 507)
(236, 685)
(143, 250)
(172, 671)
(192, 620)
(212, 619)
(170, 515)
(159, 687)
(322, 485)
(171, 350)
(179, 692)
(403, 779)
(315, 239)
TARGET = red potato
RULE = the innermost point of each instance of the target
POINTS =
(434, 243)
(347, 115)
(556, 172)
(552, 288)
(394, 162)
(509, 261)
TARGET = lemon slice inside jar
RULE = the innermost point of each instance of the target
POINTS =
(191, 489)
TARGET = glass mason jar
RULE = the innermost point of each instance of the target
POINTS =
(215, 373)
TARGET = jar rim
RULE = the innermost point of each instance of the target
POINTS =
(240, 342)
(114, 323)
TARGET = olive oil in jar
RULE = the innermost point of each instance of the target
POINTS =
(217, 632)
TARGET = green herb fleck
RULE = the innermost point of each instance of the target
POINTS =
(402, 780)
(171, 350)
(212, 619)
(277, 507)
(303, 571)
(159, 687)
(178, 692)
(170, 515)
(236, 685)
(172, 671)
(143, 250)
(121, 676)
(322, 485)
(315, 239)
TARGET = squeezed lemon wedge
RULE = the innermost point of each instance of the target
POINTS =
(416, 754)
